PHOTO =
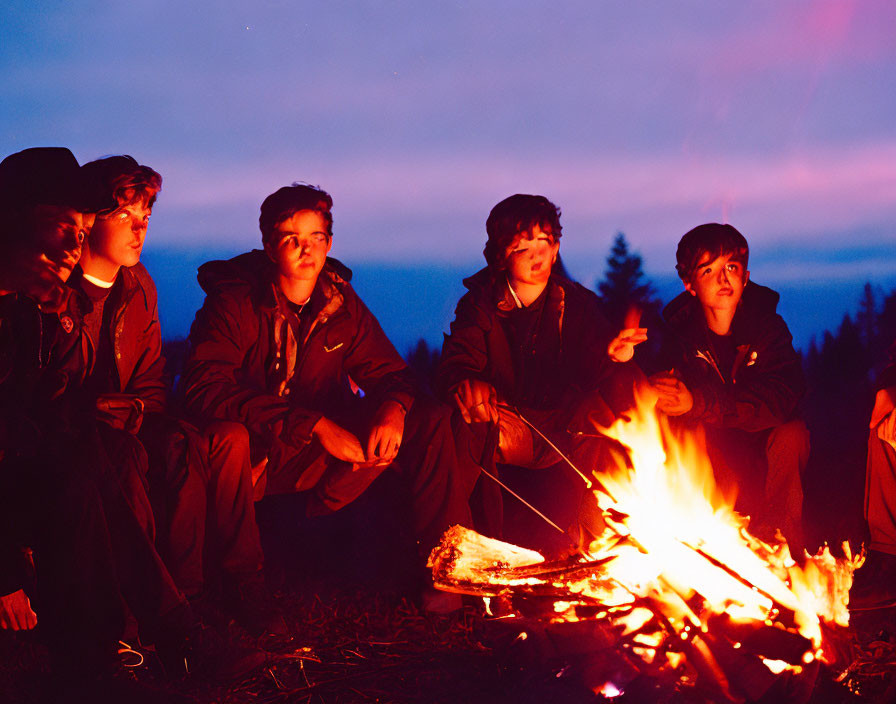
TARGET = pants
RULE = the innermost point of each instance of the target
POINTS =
(427, 462)
(117, 462)
(202, 490)
(880, 494)
(764, 469)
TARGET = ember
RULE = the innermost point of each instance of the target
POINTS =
(676, 577)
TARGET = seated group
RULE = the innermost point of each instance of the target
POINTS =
(125, 502)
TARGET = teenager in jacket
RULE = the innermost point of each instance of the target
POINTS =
(59, 498)
(278, 346)
(733, 370)
(200, 478)
(528, 343)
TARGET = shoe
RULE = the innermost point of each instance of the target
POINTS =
(254, 607)
(207, 654)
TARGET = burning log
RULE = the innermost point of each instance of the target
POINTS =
(676, 578)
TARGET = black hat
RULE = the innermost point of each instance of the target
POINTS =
(45, 176)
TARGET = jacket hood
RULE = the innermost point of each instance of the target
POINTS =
(254, 270)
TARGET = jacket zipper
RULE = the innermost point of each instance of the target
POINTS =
(708, 358)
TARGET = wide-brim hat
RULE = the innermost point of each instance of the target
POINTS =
(46, 176)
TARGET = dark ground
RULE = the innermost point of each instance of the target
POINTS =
(343, 584)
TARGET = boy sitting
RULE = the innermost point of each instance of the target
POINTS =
(277, 345)
(733, 369)
(528, 344)
(199, 479)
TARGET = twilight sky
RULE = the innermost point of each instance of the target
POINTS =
(649, 118)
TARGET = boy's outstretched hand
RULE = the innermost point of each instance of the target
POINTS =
(477, 401)
(622, 347)
(674, 398)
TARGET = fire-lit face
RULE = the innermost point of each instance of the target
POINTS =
(299, 245)
(56, 234)
(48, 249)
(117, 239)
(530, 257)
(719, 283)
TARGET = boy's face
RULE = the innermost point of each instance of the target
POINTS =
(50, 248)
(530, 257)
(718, 283)
(299, 245)
(118, 238)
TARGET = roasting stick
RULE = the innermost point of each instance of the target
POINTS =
(588, 482)
(521, 499)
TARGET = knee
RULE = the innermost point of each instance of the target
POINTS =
(228, 448)
(791, 437)
(223, 434)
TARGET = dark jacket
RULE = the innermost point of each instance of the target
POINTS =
(478, 346)
(245, 365)
(33, 407)
(136, 340)
(766, 381)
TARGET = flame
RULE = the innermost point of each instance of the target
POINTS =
(691, 541)
(676, 571)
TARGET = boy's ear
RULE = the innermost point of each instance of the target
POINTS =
(269, 250)
(746, 276)
(689, 288)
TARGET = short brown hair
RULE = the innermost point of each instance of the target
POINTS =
(710, 239)
(513, 216)
(122, 181)
(287, 201)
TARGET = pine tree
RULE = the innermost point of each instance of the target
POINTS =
(624, 283)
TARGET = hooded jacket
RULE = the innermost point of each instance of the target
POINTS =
(245, 364)
(766, 381)
(477, 346)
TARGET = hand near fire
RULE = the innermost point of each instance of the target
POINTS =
(622, 347)
(386, 433)
(16, 613)
(477, 401)
(674, 398)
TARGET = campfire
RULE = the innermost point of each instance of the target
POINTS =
(676, 583)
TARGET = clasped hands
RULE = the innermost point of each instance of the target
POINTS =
(383, 440)
(673, 396)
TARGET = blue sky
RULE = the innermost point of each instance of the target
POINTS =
(646, 118)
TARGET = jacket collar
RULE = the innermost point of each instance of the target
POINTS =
(131, 284)
(326, 299)
(685, 315)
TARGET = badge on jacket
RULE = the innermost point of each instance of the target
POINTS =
(67, 323)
